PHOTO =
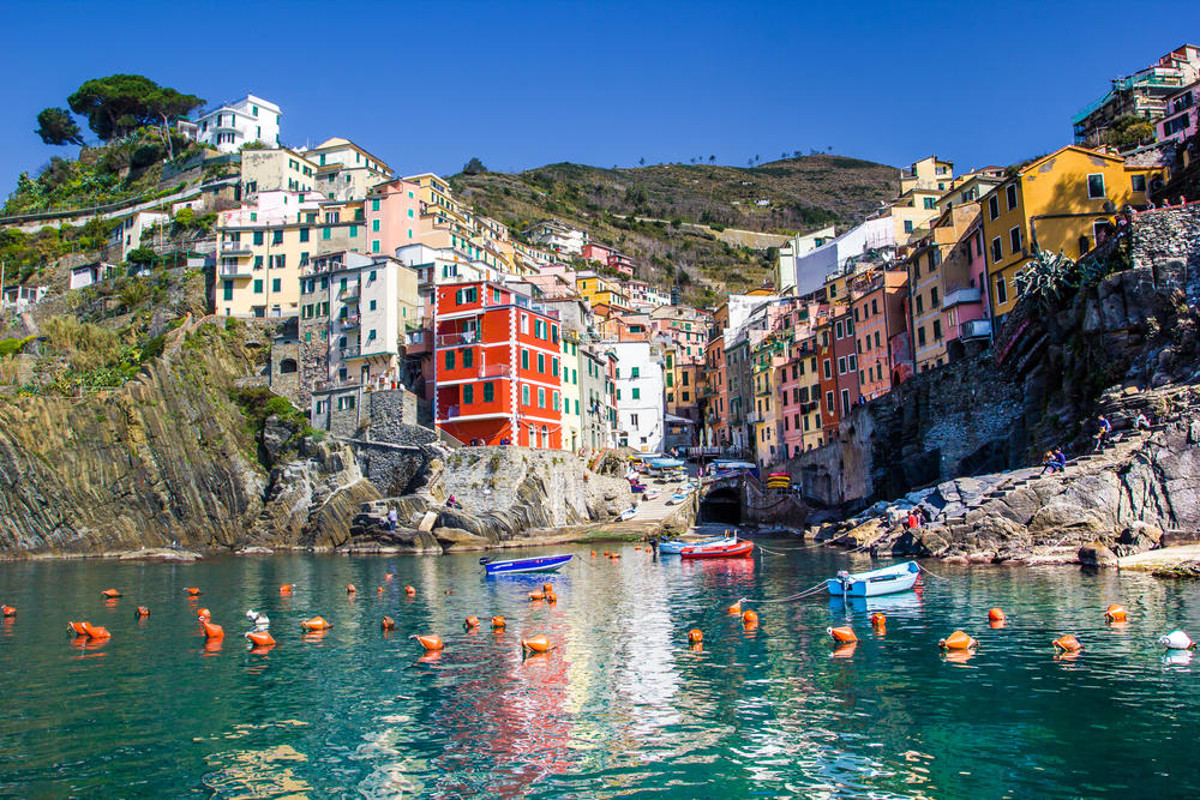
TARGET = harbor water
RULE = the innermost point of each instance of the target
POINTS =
(622, 706)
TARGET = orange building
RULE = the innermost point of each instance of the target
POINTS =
(496, 367)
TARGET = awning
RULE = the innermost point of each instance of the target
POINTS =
(672, 419)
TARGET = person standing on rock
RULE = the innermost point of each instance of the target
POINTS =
(1103, 429)
(392, 518)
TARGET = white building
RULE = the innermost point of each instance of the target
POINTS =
(811, 270)
(127, 235)
(555, 236)
(250, 119)
(345, 171)
(639, 396)
(437, 265)
(799, 245)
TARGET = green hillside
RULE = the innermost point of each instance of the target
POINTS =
(642, 210)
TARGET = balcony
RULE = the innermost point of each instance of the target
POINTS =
(235, 247)
(969, 294)
(350, 352)
(349, 294)
(495, 371)
(975, 329)
(234, 270)
(458, 339)
(348, 323)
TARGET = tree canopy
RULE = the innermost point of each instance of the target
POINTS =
(116, 105)
(474, 167)
(57, 126)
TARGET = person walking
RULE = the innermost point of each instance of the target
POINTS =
(1103, 429)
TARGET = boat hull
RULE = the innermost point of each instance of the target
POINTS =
(674, 548)
(522, 565)
(900, 578)
(737, 549)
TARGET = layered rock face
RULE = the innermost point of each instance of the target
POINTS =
(166, 458)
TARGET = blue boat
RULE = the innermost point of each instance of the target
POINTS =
(889, 580)
(520, 565)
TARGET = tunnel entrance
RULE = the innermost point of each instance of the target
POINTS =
(721, 507)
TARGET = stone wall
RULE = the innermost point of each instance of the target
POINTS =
(1169, 239)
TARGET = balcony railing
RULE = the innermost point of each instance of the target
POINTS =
(235, 270)
(348, 323)
(350, 352)
(234, 247)
(457, 339)
(976, 329)
(968, 294)
(495, 371)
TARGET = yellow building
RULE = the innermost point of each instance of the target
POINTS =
(1057, 203)
(600, 291)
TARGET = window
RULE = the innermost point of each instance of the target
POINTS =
(877, 344)
(937, 330)
(1014, 240)
(845, 402)
(874, 305)
(375, 226)
(930, 203)
(997, 251)
(304, 234)
(468, 357)
(541, 397)
(525, 394)
(842, 365)
(841, 331)
(1095, 185)
(276, 285)
(1011, 195)
(1137, 183)
(921, 336)
(852, 363)
(908, 226)
(258, 286)
(920, 304)
(637, 394)
(374, 205)
(524, 323)
(829, 401)
(468, 396)
(449, 359)
(326, 233)
(993, 207)
(828, 369)
(933, 297)
(541, 362)
(1001, 291)
(524, 359)
(489, 392)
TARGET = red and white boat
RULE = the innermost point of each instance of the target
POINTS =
(722, 548)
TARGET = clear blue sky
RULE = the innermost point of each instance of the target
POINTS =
(427, 85)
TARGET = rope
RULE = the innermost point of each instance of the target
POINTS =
(923, 568)
(806, 593)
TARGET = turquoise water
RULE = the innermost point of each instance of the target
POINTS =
(622, 707)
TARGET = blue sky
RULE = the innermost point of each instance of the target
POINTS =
(427, 85)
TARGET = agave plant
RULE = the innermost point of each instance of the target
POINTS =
(1046, 276)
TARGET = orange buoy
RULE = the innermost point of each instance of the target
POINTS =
(547, 588)
(316, 624)
(212, 631)
(9, 611)
(203, 614)
(142, 611)
(536, 644)
(261, 638)
(378, 590)
(111, 593)
(1068, 644)
(77, 628)
(695, 636)
(845, 634)
(410, 591)
(429, 642)
(593, 554)
(749, 619)
(388, 577)
(448, 591)
(499, 623)
(536, 596)
(996, 615)
(389, 624)
(1116, 613)
(736, 608)
(193, 590)
(551, 598)
(287, 588)
(957, 641)
(351, 588)
(95, 631)
(878, 620)
(471, 622)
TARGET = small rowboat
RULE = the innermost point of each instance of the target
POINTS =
(725, 548)
(675, 546)
(898, 578)
(519, 565)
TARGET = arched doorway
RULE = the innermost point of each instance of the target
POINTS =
(722, 507)
(287, 365)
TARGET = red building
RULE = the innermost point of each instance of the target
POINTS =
(496, 367)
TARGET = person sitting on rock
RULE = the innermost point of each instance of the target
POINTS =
(1060, 458)
(1142, 423)
(1049, 462)
(451, 502)
(1103, 429)
(913, 522)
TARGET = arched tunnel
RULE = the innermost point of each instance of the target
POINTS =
(722, 506)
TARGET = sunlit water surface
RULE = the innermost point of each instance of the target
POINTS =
(622, 707)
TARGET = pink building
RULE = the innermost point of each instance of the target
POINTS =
(593, 251)
(393, 215)
(1181, 120)
(964, 284)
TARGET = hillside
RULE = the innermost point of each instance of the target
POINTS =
(639, 210)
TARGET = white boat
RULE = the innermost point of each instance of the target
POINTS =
(628, 514)
(651, 494)
(675, 499)
(898, 578)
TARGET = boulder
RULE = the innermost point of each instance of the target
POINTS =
(1096, 554)
(1138, 537)
(456, 539)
